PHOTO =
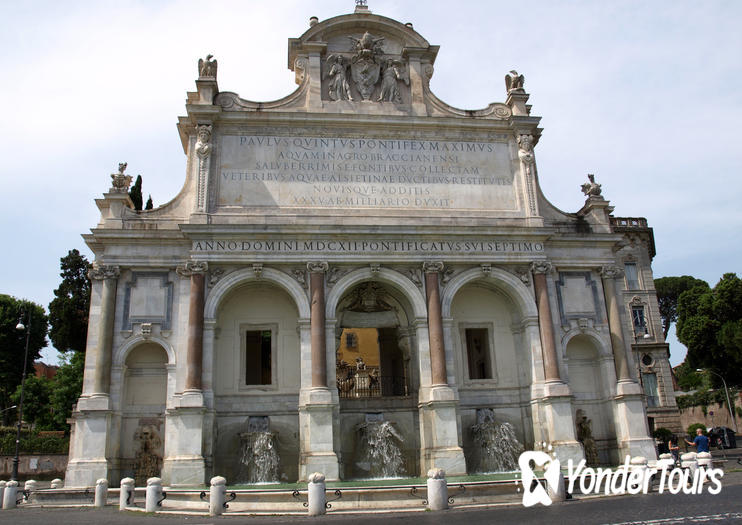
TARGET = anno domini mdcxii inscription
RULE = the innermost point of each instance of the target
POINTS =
(364, 173)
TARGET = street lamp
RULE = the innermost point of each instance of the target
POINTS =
(726, 391)
(16, 459)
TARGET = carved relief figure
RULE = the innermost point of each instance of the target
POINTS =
(339, 89)
(148, 458)
(203, 144)
(592, 188)
(393, 71)
(514, 82)
(366, 63)
(207, 68)
(203, 151)
(585, 436)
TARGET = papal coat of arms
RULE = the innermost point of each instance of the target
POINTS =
(365, 65)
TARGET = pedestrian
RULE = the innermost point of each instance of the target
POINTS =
(701, 442)
(674, 448)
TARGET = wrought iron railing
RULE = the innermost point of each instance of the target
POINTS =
(366, 386)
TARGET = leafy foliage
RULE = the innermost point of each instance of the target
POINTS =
(12, 345)
(68, 311)
(705, 398)
(668, 292)
(710, 325)
(67, 387)
(663, 434)
(135, 193)
(149, 204)
(33, 442)
(690, 379)
(36, 407)
(692, 429)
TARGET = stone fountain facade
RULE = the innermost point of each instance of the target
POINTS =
(362, 201)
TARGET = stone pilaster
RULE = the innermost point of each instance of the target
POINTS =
(103, 351)
(618, 344)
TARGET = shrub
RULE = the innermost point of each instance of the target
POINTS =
(663, 434)
(692, 429)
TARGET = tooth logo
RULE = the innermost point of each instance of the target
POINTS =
(537, 494)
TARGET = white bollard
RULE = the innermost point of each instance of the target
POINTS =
(705, 460)
(11, 491)
(57, 483)
(101, 492)
(126, 493)
(558, 493)
(689, 461)
(154, 494)
(316, 494)
(2, 491)
(217, 495)
(437, 489)
(30, 485)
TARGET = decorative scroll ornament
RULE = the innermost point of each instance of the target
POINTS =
(592, 188)
(611, 272)
(119, 181)
(191, 267)
(514, 82)
(365, 65)
(541, 267)
(207, 68)
(317, 266)
(104, 272)
(214, 275)
(203, 151)
(432, 266)
(393, 72)
(338, 89)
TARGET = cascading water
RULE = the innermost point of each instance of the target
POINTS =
(497, 448)
(259, 461)
(380, 455)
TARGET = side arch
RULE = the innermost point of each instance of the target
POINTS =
(505, 281)
(124, 350)
(269, 275)
(384, 275)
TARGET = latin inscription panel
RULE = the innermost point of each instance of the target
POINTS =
(364, 173)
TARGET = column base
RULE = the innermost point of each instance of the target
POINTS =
(85, 472)
(631, 425)
(316, 440)
(184, 471)
(439, 433)
(568, 451)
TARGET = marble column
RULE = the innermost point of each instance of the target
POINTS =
(435, 323)
(195, 348)
(104, 348)
(546, 327)
(317, 292)
(618, 344)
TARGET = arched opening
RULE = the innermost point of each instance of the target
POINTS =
(256, 380)
(143, 412)
(593, 409)
(377, 382)
(493, 372)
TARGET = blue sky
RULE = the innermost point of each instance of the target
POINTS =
(646, 95)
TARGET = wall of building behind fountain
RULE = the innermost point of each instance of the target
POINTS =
(228, 445)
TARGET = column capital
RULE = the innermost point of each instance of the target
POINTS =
(191, 267)
(611, 272)
(541, 267)
(433, 266)
(317, 266)
(104, 272)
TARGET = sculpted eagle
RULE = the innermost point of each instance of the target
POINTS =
(514, 81)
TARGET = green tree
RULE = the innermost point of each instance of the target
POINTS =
(68, 311)
(668, 291)
(36, 407)
(710, 325)
(12, 345)
(135, 193)
(149, 204)
(689, 379)
(67, 385)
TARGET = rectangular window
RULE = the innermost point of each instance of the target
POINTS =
(650, 390)
(478, 353)
(640, 322)
(632, 276)
(258, 357)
